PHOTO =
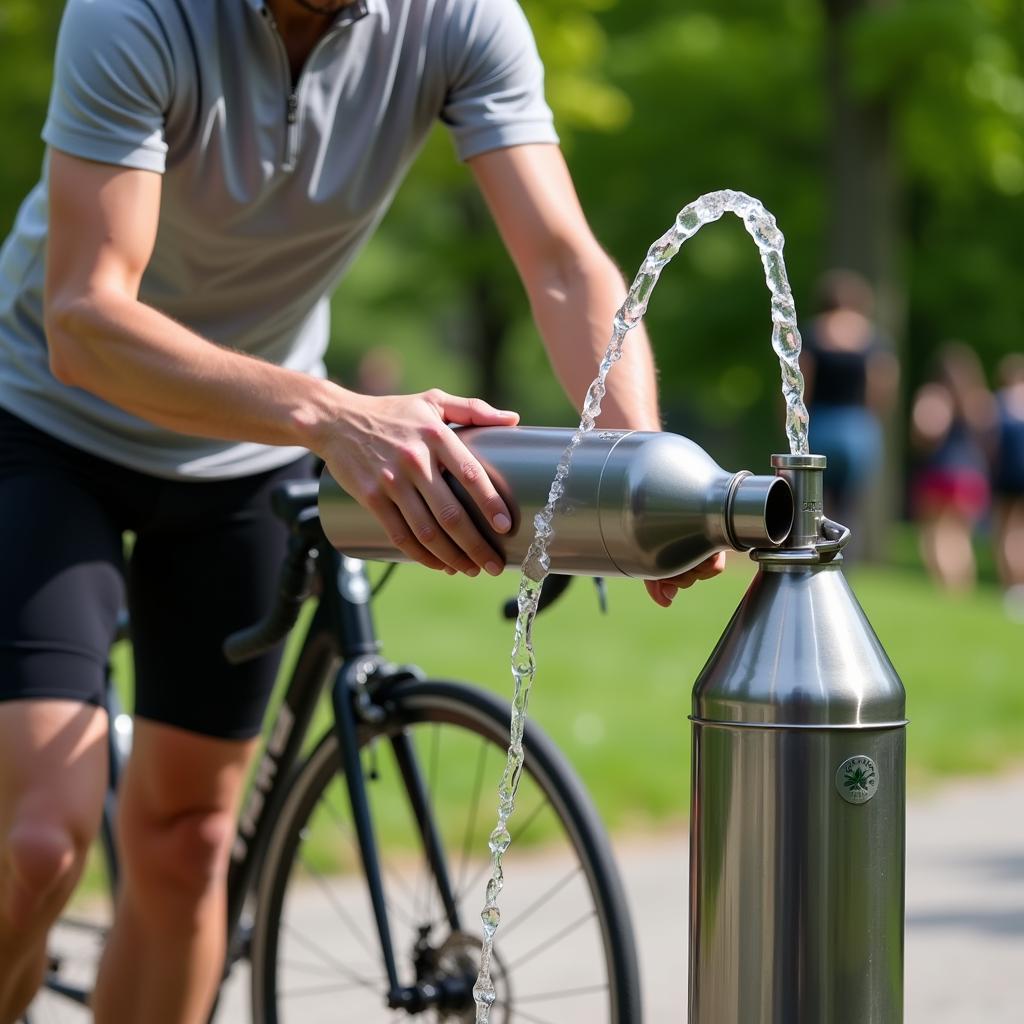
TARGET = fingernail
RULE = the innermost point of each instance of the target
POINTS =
(501, 522)
(473, 572)
(493, 568)
(669, 591)
(449, 571)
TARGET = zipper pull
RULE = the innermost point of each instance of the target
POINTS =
(293, 108)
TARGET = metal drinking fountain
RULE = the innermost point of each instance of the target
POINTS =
(797, 812)
(797, 816)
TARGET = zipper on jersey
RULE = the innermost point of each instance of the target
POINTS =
(294, 91)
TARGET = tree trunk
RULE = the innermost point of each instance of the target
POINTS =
(865, 228)
(486, 328)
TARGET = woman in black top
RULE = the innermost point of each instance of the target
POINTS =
(850, 379)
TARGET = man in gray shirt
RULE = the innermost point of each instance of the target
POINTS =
(212, 168)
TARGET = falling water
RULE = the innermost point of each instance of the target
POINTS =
(761, 226)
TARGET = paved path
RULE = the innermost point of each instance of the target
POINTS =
(965, 910)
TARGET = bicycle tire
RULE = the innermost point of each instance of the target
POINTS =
(484, 718)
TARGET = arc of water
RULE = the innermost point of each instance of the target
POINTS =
(761, 226)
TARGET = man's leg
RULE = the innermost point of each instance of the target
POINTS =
(165, 955)
(206, 565)
(61, 586)
(53, 770)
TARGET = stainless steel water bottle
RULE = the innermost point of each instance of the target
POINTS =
(636, 504)
(797, 814)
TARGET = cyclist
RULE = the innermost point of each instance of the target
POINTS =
(211, 170)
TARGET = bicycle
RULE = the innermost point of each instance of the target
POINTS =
(411, 756)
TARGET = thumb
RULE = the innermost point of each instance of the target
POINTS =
(473, 411)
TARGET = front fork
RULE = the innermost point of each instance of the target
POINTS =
(353, 705)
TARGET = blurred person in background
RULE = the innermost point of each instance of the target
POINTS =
(952, 421)
(850, 382)
(1008, 482)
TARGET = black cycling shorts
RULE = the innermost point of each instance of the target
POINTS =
(204, 563)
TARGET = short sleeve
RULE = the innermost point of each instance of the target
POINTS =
(112, 86)
(495, 91)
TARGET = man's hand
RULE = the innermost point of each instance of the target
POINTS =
(663, 591)
(390, 452)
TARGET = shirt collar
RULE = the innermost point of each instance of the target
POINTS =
(349, 15)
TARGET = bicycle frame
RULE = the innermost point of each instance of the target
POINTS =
(341, 648)
(341, 628)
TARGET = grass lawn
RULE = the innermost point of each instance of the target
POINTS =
(614, 691)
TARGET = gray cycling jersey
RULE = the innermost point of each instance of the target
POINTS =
(269, 187)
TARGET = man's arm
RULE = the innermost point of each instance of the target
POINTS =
(387, 452)
(573, 286)
(575, 291)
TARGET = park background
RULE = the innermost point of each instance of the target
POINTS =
(886, 136)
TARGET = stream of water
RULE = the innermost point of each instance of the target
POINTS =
(761, 226)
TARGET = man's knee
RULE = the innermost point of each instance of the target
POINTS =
(44, 858)
(175, 862)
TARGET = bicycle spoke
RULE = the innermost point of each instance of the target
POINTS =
(321, 972)
(474, 808)
(541, 901)
(486, 866)
(318, 990)
(332, 900)
(348, 832)
(562, 993)
(326, 957)
(553, 940)
(523, 1015)
(560, 962)
(428, 878)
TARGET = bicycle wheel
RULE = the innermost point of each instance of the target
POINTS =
(564, 951)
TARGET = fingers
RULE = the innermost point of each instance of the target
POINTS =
(396, 454)
(428, 526)
(661, 592)
(471, 411)
(399, 533)
(434, 516)
(466, 470)
(664, 591)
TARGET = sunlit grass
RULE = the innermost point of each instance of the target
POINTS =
(614, 690)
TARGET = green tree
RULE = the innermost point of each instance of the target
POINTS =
(27, 34)
(882, 133)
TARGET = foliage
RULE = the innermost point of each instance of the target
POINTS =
(655, 104)
(27, 33)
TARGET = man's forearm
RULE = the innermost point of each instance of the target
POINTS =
(574, 308)
(134, 357)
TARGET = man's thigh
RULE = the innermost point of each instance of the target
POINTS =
(60, 591)
(208, 566)
(53, 768)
